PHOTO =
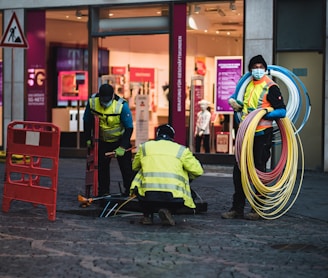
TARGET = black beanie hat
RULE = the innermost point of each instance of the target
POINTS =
(166, 132)
(106, 92)
(258, 59)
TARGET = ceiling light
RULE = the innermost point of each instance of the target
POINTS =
(79, 14)
(198, 22)
(232, 6)
(221, 12)
(197, 9)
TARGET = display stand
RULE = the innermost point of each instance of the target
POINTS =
(196, 94)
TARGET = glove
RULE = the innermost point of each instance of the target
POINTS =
(119, 151)
(200, 133)
(275, 114)
(236, 104)
(89, 143)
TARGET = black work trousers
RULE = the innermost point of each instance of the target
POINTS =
(125, 164)
(262, 152)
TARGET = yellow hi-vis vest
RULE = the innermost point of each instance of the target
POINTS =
(255, 97)
(165, 166)
(110, 127)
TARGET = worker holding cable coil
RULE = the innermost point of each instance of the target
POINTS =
(261, 92)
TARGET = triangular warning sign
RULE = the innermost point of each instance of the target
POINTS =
(13, 36)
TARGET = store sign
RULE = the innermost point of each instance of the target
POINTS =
(228, 73)
(118, 70)
(178, 58)
(142, 75)
(36, 106)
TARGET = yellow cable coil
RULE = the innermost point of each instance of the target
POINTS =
(270, 201)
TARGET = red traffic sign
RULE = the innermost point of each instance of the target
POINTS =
(13, 35)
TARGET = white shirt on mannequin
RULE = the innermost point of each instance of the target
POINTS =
(203, 119)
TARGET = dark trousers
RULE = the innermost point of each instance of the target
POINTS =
(262, 152)
(124, 162)
(156, 200)
(206, 143)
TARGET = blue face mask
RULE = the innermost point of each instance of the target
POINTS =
(258, 73)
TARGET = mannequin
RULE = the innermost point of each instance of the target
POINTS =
(202, 131)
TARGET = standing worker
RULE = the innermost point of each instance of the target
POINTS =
(202, 131)
(115, 130)
(162, 182)
(261, 92)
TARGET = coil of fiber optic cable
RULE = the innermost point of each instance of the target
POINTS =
(296, 92)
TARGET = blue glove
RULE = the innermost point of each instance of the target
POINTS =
(119, 151)
(276, 114)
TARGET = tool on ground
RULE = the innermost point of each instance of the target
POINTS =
(89, 201)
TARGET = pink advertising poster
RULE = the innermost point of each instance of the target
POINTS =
(228, 73)
(73, 85)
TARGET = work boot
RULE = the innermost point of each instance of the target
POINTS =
(252, 215)
(232, 214)
(166, 217)
(146, 220)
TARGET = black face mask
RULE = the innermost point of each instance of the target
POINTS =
(106, 101)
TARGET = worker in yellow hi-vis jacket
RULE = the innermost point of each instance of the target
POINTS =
(164, 171)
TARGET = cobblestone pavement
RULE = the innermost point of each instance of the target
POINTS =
(81, 244)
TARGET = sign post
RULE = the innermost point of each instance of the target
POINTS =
(13, 37)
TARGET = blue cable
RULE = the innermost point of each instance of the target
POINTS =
(301, 90)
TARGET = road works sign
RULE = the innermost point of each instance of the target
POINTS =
(13, 35)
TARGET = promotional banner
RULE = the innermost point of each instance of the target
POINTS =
(36, 105)
(142, 119)
(228, 73)
(178, 74)
(73, 85)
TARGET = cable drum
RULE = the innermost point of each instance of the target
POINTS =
(271, 194)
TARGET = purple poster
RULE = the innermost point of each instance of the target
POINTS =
(228, 73)
(36, 105)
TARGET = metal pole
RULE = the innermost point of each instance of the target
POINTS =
(12, 85)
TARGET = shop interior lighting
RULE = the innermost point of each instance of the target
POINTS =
(198, 22)
(221, 12)
(79, 14)
(197, 9)
(232, 6)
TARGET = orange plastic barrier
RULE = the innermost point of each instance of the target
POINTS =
(34, 178)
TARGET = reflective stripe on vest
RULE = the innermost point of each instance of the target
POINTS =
(165, 175)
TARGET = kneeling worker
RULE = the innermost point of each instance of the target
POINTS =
(162, 182)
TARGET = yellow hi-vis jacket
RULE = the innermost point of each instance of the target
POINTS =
(165, 166)
(256, 97)
(110, 127)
